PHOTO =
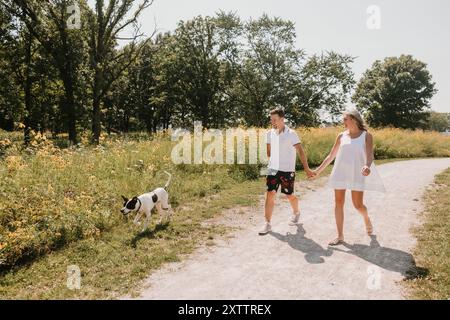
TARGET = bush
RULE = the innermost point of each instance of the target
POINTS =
(242, 172)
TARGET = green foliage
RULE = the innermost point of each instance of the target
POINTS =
(438, 121)
(431, 251)
(243, 172)
(219, 70)
(395, 92)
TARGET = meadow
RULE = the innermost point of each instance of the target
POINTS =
(52, 198)
(432, 250)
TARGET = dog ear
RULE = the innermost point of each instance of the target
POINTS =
(134, 198)
(125, 198)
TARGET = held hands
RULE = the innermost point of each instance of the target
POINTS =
(365, 171)
(311, 174)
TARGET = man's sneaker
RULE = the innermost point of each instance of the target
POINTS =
(294, 219)
(267, 228)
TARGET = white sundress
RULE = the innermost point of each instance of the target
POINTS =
(350, 160)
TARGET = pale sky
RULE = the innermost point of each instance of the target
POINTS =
(420, 28)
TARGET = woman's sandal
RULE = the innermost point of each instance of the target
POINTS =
(336, 242)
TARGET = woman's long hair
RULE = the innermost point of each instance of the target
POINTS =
(354, 114)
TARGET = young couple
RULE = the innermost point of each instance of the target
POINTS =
(353, 169)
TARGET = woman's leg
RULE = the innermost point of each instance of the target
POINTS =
(339, 197)
(358, 203)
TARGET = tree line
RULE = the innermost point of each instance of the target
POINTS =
(106, 74)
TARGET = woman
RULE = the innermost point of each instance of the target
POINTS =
(353, 169)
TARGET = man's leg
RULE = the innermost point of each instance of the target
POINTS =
(287, 187)
(270, 203)
(294, 203)
(295, 211)
(272, 182)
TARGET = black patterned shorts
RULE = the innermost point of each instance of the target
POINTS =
(285, 179)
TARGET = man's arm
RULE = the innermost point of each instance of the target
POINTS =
(268, 150)
(301, 153)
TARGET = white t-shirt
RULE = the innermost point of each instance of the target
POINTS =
(282, 151)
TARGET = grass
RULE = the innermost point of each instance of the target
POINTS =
(113, 263)
(433, 244)
(52, 197)
(59, 206)
(389, 143)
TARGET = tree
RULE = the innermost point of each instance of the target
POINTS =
(28, 79)
(10, 103)
(199, 69)
(46, 21)
(142, 78)
(167, 97)
(395, 92)
(130, 95)
(266, 66)
(438, 121)
(220, 70)
(323, 86)
(105, 24)
(269, 71)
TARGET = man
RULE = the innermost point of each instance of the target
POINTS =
(283, 144)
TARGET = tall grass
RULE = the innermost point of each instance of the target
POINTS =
(388, 143)
(51, 196)
(432, 249)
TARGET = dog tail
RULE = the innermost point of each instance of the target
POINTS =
(168, 181)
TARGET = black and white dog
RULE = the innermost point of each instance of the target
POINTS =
(144, 204)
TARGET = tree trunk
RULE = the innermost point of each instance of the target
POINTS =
(96, 112)
(27, 90)
(66, 69)
(149, 120)
(96, 123)
(69, 107)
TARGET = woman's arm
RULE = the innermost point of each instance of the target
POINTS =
(330, 156)
(369, 155)
(369, 149)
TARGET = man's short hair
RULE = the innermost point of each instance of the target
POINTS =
(278, 111)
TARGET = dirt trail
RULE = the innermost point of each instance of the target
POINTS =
(294, 262)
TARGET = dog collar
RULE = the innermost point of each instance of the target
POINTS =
(140, 205)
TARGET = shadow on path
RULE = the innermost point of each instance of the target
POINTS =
(386, 258)
(314, 252)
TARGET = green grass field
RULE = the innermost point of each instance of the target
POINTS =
(433, 244)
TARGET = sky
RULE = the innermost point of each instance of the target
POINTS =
(420, 28)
